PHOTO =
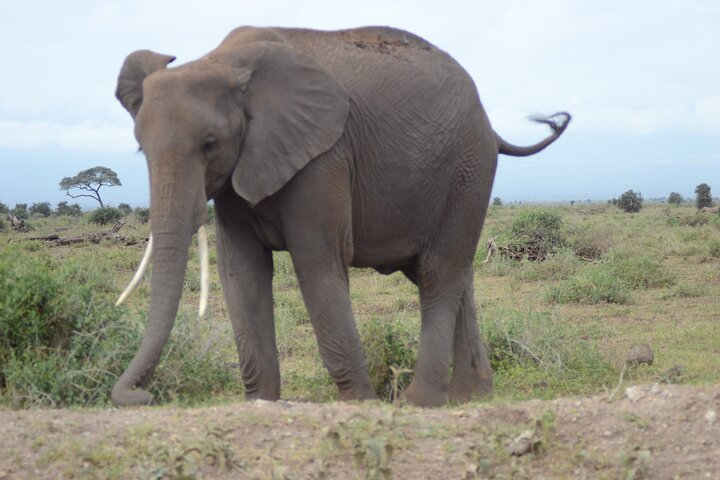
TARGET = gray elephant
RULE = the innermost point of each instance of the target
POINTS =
(365, 147)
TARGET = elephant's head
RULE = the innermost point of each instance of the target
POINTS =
(247, 117)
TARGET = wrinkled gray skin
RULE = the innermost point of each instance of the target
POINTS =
(365, 148)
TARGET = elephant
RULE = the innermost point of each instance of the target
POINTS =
(365, 147)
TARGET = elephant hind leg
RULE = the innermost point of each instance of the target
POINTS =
(440, 292)
(472, 375)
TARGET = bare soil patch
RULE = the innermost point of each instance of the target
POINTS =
(650, 431)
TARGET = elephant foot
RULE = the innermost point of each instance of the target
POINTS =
(271, 395)
(363, 391)
(425, 396)
(123, 396)
(465, 390)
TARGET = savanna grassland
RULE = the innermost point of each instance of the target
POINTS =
(565, 296)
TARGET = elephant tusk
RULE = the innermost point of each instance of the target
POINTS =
(204, 270)
(139, 274)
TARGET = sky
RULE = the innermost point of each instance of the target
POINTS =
(641, 78)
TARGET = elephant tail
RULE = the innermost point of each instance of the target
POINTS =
(558, 122)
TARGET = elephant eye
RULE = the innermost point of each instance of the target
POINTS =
(209, 145)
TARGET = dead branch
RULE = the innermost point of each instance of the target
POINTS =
(91, 237)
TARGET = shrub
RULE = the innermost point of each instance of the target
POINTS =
(536, 233)
(674, 198)
(590, 286)
(3, 225)
(497, 201)
(533, 348)
(125, 209)
(693, 220)
(63, 342)
(703, 198)
(556, 266)
(588, 243)
(105, 215)
(630, 201)
(20, 211)
(142, 214)
(41, 209)
(4, 208)
(640, 272)
(714, 248)
(388, 344)
(63, 208)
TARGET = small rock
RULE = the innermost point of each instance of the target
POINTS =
(524, 443)
(655, 389)
(634, 393)
(711, 416)
(640, 354)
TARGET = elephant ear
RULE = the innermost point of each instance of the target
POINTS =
(296, 111)
(136, 67)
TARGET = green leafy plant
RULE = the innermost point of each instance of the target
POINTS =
(703, 198)
(142, 214)
(41, 209)
(388, 345)
(675, 198)
(106, 215)
(63, 208)
(630, 201)
(20, 211)
(125, 208)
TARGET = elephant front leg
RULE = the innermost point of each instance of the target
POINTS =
(472, 375)
(246, 268)
(326, 294)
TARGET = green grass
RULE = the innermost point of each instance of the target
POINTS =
(555, 327)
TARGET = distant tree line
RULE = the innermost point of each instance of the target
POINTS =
(632, 201)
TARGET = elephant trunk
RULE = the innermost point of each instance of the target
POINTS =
(174, 221)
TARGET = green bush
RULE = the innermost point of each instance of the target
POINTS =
(142, 214)
(20, 211)
(556, 266)
(630, 201)
(536, 354)
(63, 342)
(3, 225)
(675, 198)
(534, 234)
(696, 220)
(63, 208)
(593, 285)
(3, 208)
(611, 281)
(389, 344)
(41, 209)
(588, 243)
(714, 248)
(106, 215)
(703, 197)
(125, 208)
(640, 272)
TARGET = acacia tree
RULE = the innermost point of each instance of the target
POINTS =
(91, 181)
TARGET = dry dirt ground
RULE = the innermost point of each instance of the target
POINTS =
(650, 431)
